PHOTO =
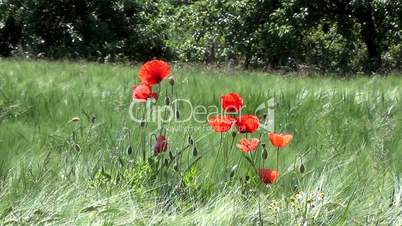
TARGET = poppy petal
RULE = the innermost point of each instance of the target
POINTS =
(231, 102)
(247, 123)
(268, 176)
(142, 92)
(154, 71)
(248, 146)
(280, 140)
(221, 123)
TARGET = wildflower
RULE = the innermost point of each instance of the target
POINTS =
(143, 92)
(280, 140)
(160, 145)
(268, 176)
(221, 123)
(231, 102)
(154, 71)
(247, 145)
(247, 123)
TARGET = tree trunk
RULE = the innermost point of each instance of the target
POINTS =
(370, 38)
(248, 57)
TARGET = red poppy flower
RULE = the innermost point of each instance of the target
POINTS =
(160, 145)
(231, 102)
(221, 123)
(142, 92)
(248, 146)
(280, 140)
(154, 71)
(268, 176)
(247, 123)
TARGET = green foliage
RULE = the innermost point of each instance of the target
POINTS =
(190, 179)
(106, 30)
(341, 36)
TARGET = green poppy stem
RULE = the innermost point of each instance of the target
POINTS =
(142, 127)
(277, 160)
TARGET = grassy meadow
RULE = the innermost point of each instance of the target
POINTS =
(71, 155)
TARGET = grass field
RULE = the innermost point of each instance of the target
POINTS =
(55, 170)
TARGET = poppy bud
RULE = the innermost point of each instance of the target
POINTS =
(234, 134)
(129, 150)
(232, 174)
(301, 169)
(167, 100)
(190, 140)
(77, 147)
(195, 151)
(171, 81)
(264, 154)
(177, 114)
(93, 119)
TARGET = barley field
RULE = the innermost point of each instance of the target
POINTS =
(71, 153)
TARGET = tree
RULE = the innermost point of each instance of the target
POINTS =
(369, 14)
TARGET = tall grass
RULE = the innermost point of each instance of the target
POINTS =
(57, 171)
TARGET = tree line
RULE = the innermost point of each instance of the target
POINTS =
(328, 35)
